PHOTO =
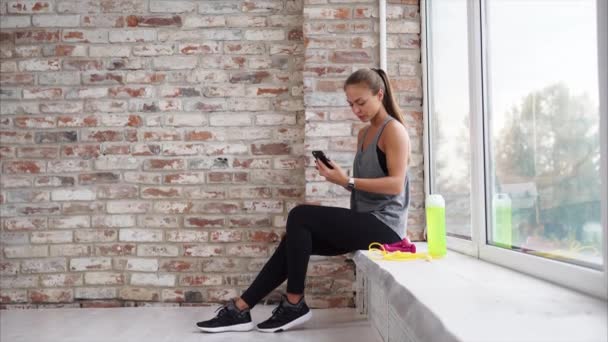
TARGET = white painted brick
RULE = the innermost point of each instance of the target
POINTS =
(116, 163)
(265, 35)
(173, 6)
(95, 293)
(142, 265)
(13, 21)
(127, 207)
(199, 35)
(13, 238)
(207, 21)
(103, 278)
(61, 236)
(230, 120)
(70, 222)
(25, 281)
(132, 36)
(175, 62)
(69, 250)
(219, 7)
(26, 251)
(61, 280)
(183, 235)
(59, 78)
(109, 51)
(113, 221)
(86, 93)
(275, 119)
(185, 120)
(402, 26)
(46, 265)
(140, 235)
(248, 104)
(40, 65)
(78, 6)
(146, 279)
(56, 20)
(90, 264)
(73, 195)
(147, 250)
(153, 50)
(85, 36)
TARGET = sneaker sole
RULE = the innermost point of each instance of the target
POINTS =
(237, 327)
(292, 324)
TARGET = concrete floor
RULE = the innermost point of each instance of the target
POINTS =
(157, 324)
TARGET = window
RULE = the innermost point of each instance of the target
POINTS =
(543, 102)
(513, 118)
(449, 112)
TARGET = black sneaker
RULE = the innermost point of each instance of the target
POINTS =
(229, 318)
(286, 316)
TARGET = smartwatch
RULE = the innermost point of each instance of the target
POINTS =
(351, 184)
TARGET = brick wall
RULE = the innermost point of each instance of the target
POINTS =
(341, 37)
(151, 150)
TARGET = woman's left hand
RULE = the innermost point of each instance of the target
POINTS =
(335, 175)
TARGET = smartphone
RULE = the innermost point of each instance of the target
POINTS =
(322, 157)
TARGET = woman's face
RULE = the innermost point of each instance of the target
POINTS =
(364, 104)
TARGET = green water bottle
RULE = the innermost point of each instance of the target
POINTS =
(435, 225)
(502, 230)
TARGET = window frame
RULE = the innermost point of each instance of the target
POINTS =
(590, 281)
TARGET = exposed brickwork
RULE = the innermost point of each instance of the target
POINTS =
(150, 150)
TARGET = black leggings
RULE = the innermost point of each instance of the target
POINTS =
(315, 230)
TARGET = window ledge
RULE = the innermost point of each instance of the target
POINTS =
(461, 298)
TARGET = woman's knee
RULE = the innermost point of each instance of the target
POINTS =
(297, 216)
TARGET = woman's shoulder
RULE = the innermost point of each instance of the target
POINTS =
(396, 128)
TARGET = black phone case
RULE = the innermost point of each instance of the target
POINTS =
(322, 157)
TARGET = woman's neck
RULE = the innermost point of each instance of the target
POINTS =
(379, 118)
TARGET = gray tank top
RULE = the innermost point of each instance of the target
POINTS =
(390, 209)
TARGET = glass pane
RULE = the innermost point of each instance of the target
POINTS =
(544, 128)
(449, 112)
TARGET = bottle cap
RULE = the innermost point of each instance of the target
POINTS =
(435, 200)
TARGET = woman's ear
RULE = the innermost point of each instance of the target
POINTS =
(380, 95)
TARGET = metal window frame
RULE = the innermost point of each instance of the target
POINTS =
(586, 280)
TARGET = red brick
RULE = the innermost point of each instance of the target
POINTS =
(24, 167)
(350, 57)
(34, 122)
(51, 296)
(178, 266)
(76, 121)
(29, 7)
(154, 21)
(39, 152)
(98, 178)
(101, 304)
(83, 64)
(17, 79)
(161, 192)
(263, 236)
(202, 222)
(225, 236)
(36, 36)
(165, 164)
(81, 151)
(271, 149)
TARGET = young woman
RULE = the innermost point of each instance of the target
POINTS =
(379, 202)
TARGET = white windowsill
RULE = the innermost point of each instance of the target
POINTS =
(461, 298)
